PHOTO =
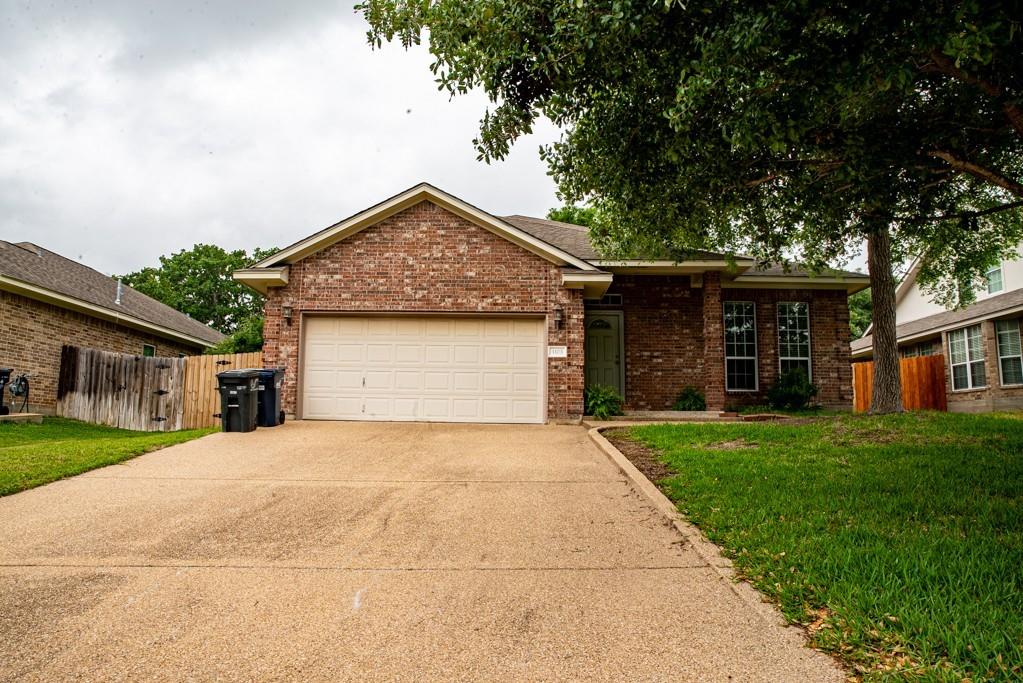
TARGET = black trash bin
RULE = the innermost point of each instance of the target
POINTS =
(239, 396)
(270, 413)
(5, 377)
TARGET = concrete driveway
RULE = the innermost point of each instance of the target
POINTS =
(345, 551)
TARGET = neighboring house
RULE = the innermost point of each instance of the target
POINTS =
(980, 342)
(424, 307)
(47, 301)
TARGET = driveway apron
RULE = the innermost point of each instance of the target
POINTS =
(371, 551)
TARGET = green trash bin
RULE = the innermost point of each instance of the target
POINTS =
(239, 398)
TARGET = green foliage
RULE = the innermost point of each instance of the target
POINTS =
(248, 336)
(691, 398)
(576, 215)
(898, 537)
(793, 391)
(768, 128)
(859, 313)
(603, 401)
(38, 454)
(198, 282)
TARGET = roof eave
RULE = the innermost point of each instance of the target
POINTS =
(850, 284)
(594, 285)
(262, 279)
(63, 301)
(668, 267)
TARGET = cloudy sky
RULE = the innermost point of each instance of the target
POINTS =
(135, 128)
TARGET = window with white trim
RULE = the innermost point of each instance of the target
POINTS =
(794, 336)
(740, 346)
(966, 356)
(148, 350)
(995, 282)
(1010, 357)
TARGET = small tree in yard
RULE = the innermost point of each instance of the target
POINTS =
(777, 128)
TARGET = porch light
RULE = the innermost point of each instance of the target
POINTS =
(559, 318)
(287, 312)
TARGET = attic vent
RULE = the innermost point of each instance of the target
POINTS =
(606, 300)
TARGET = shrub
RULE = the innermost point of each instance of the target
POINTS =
(794, 391)
(691, 398)
(603, 401)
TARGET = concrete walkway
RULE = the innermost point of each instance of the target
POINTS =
(346, 551)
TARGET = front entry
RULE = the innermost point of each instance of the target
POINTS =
(604, 350)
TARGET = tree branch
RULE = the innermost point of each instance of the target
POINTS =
(978, 171)
(945, 65)
(960, 216)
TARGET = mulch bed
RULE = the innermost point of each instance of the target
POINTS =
(643, 458)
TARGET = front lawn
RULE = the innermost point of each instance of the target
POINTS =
(897, 540)
(32, 454)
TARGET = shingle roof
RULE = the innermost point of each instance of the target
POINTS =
(42, 268)
(989, 307)
(576, 241)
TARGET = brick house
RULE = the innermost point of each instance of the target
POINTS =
(980, 343)
(47, 301)
(424, 307)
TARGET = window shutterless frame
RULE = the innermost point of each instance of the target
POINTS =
(148, 350)
(995, 279)
(783, 306)
(965, 363)
(734, 308)
(1010, 354)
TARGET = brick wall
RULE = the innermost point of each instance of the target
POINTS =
(665, 350)
(992, 397)
(32, 334)
(427, 260)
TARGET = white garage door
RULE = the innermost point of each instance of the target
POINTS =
(427, 369)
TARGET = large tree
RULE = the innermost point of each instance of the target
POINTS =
(785, 129)
(198, 282)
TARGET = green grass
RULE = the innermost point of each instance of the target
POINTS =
(897, 539)
(31, 455)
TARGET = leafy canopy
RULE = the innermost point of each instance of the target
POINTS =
(198, 282)
(772, 128)
(576, 215)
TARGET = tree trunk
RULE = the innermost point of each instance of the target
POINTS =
(887, 396)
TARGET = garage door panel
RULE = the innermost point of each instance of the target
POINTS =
(417, 368)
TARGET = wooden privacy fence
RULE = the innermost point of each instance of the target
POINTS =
(120, 390)
(143, 394)
(923, 383)
(202, 400)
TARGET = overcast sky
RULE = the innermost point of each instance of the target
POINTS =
(135, 128)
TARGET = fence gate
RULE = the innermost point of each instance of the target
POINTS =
(121, 390)
(202, 400)
(923, 383)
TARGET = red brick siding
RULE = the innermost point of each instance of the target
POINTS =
(664, 340)
(32, 334)
(713, 342)
(427, 260)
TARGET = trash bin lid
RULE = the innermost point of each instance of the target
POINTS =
(244, 373)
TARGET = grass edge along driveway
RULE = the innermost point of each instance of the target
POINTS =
(36, 454)
(896, 540)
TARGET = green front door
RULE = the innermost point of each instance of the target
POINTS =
(604, 350)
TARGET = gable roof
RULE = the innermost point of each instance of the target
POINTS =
(991, 307)
(410, 197)
(38, 273)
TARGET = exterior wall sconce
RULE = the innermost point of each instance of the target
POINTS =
(559, 318)
(287, 312)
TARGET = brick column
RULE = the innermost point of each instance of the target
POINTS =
(713, 343)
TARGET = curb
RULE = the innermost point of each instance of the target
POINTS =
(706, 550)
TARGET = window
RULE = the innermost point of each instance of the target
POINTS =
(927, 348)
(1010, 359)
(995, 283)
(740, 346)
(794, 337)
(148, 350)
(966, 355)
